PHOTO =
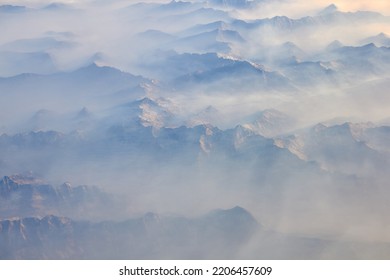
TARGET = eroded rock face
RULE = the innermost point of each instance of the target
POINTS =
(33, 226)
(50, 237)
(216, 235)
(22, 196)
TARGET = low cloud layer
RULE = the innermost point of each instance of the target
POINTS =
(181, 108)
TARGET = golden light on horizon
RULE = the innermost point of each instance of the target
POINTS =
(382, 6)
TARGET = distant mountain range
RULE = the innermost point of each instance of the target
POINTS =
(179, 108)
(36, 236)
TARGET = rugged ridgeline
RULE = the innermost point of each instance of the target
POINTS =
(187, 106)
(219, 234)
(24, 196)
(35, 224)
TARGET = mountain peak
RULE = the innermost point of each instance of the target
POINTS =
(12, 9)
(234, 220)
(235, 212)
(23, 179)
(380, 40)
(232, 3)
(336, 44)
(83, 113)
(329, 10)
(56, 6)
